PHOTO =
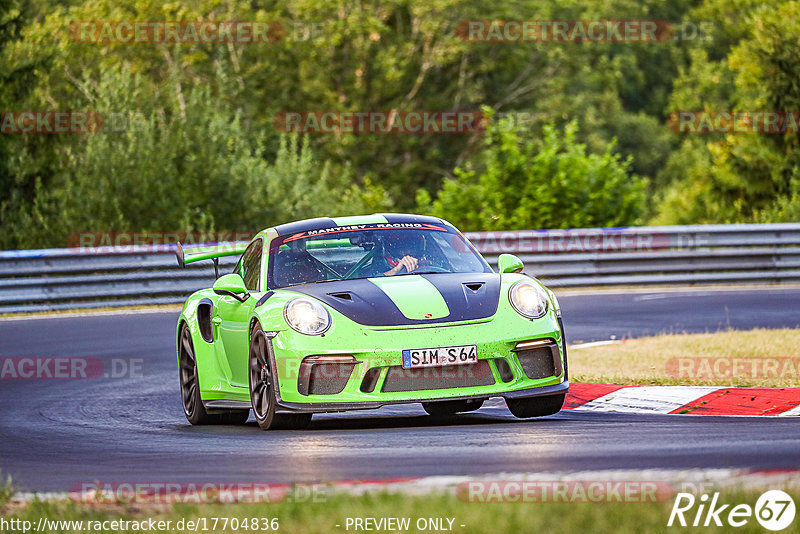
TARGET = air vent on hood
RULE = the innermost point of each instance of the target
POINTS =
(343, 295)
(474, 286)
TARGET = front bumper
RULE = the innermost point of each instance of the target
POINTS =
(321, 407)
(376, 357)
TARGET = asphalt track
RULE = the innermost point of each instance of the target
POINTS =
(55, 434)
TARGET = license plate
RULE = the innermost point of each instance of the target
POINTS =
(438, 356)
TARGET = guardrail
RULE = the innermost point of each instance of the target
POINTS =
(51, 279)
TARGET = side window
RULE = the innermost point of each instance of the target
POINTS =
(251, 265)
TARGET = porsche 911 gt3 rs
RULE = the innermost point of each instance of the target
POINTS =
(334, 314)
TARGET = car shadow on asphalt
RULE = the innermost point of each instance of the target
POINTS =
(414, 421)
(340, 421)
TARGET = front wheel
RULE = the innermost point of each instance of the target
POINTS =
(536, 406)
(263, 386)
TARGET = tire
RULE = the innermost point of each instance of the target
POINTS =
(450, 408)
(536, 406)
(262, 386)
(190, 388)
(260, 380)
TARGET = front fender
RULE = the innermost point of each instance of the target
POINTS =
(211, 374)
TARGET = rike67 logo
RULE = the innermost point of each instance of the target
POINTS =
(774, 510)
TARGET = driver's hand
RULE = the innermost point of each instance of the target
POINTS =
(409, 262)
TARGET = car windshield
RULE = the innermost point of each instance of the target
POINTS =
(370, 250)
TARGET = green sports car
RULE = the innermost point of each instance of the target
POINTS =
(334, 314)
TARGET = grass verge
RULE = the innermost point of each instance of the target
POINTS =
(752, 358)
(318, 518)
(6, 490)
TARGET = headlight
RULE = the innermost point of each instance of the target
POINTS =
(307, 316)
(528, 299)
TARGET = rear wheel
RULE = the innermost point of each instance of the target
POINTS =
(190, 389)
(536, 406)
(449, 408)
(262, 389)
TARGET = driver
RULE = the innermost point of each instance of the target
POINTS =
(296, 266)
(403, 250)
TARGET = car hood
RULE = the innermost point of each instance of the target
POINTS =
(410, 299)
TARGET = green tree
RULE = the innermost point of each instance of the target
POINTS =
(377, 55)
(198, 171)
(739, 178)
(522, 182)
(16, 80)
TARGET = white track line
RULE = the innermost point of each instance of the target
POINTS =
(647, 399)
(793, 412)
(594, 344)
(568, 292)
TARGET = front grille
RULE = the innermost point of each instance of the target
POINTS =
(504, 370)
(448, 376)
(321, 375)
(539, 361)
(370, 380)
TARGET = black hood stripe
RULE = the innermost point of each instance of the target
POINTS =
(469, 297)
